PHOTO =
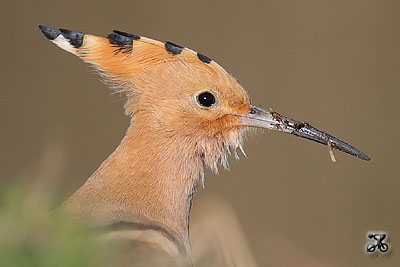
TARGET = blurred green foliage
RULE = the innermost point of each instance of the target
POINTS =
(33, 235)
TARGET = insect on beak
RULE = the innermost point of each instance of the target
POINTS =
(261, 118)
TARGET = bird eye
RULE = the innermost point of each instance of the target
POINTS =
(206, 99)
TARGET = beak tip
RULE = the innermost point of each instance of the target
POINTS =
(364, 157)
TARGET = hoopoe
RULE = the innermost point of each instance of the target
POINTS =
(186, 112)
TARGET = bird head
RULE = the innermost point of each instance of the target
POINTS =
(180, 95)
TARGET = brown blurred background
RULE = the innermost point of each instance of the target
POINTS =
(334, 64)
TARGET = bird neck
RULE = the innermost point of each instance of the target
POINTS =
(150, 174)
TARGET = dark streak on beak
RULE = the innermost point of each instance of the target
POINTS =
(260, 118)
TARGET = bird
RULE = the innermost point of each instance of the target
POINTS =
(186, 113)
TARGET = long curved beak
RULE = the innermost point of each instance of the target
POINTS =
(261, 118)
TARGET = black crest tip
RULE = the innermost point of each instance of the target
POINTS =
(173, 48)
(122, 38)
(204, 58)
(75, 38)
(50, 33)
(126, 34)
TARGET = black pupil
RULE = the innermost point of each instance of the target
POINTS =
(206, 99)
